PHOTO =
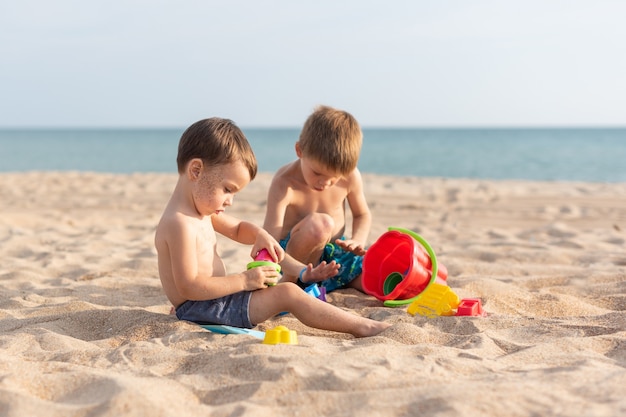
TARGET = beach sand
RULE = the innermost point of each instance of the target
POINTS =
(85, 330)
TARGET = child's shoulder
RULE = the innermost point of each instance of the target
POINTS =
(285, 175)
(174, 221)
(287, 169)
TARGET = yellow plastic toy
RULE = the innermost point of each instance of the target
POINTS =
(280, 334)
(435, 300)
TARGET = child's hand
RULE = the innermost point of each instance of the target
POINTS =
(320, 272)
(260, 277)
(265, 241)
(351, 246)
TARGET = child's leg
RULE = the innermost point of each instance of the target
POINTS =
(357, 283)
(309, 237)
(309, 310)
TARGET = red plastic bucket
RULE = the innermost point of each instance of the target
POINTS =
(396, 267)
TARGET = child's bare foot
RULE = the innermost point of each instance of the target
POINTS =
(372, 328)
(172, 310)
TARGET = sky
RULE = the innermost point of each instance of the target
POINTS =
(439, 63)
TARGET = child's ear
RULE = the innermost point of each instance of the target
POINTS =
(194, 169)
(298, 150)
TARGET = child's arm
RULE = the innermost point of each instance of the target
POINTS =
(294, 270)
(361, 216)
(278, 198)
(248, 234)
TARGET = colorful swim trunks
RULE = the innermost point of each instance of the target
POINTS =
(351, 265)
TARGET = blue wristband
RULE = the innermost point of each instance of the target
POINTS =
(301, 273)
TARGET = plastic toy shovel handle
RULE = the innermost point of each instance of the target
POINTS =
(433, 257)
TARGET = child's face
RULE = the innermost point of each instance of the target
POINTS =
(317, 176)
(217, 186)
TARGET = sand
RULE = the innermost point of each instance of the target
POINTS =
(85, 330)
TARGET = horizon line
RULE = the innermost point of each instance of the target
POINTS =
(369, 127)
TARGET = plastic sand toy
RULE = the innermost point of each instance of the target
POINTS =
(436, 300)
(399, 266)
(223, 329)
(470, 307)
(316, 291)
(440, 300)
(263, 258)
(280, 335)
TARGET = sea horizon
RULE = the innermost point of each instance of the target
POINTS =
(593, 154)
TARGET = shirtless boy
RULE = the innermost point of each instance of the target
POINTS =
(306, 205)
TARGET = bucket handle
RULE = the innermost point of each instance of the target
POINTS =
(433, 258)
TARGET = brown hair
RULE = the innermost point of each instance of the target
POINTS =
(333, 138)
(216, 141)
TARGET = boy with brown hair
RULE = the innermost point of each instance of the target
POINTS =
(306, 208)
(215, 161)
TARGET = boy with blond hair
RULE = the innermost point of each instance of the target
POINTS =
(215, 161)
(306, 205)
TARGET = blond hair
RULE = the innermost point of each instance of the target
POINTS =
(333, 138)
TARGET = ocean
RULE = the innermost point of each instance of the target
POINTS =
(556, 154)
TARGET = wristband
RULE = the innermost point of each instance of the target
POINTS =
(301, 273)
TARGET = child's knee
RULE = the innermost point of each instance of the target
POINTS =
(290, 291)
(321, 226)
